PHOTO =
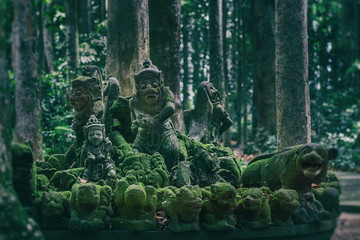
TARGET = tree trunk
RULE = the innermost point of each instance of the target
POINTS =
(291, 63)
(86, 16)
(227, 136)
(47, 38)
(164, 22)
(243, 75)
(72, 39)
(264, 17)
(215, 47)
(185, 55)
(27, 81)
(237, 62)
(15, 223)
(127, 41)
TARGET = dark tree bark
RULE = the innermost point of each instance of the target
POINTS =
(185, 55)
(264, 51)
(127, 41)
(15, 223)
(243, 75)
(164, 22)
(47, 38)
(72, 39)
(215, 47)
(225, 9)
(291, 64)
(86, 16)
(238, 64)
(27, 81)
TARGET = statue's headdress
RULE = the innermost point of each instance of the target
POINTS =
(148, 71)
(93, 124)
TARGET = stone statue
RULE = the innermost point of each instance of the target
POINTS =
(209, 120)
(136, 206)
(253, 210)
(95, 154)
(86, 214)
(283, 203)
(183, 207)
(52, 210)
(150, 109)
(296, 167)
(217, 213)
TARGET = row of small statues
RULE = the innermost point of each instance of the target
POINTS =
(128, 162)
(219, 207)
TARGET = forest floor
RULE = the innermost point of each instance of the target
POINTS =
(348, 227)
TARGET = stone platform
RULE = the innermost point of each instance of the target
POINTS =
(318, 231)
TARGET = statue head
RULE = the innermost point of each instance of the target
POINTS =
(206, 90)
(94, 130)
(149, 83)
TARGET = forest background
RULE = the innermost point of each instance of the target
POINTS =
(67, 35)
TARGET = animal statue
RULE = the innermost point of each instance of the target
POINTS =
(217, 213)
(136, 207)
(86, 214)
(182, 207)
(252, 209)
(296, 167)
(283, 203)
(52, 210)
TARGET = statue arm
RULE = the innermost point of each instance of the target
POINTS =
(134, 122)
(165, 113)
(226, 123)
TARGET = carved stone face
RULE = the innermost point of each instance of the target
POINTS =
(52, 205)
(95, 137)
(79, 98)
(252, 200)
(149, 90)
(189, 204)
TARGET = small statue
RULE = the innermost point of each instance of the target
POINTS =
(329, 197)
(253, 210)
(217, 213)
(209, 120)
(136, 206)
(183, 207)
(86, 214)
(95, 154)
(283, 203)
(150, 110)
(52, 210)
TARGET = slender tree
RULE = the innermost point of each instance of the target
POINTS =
(47, 37)
(216, 48)
(15, 223)
(225, 9)
(72, 39)
(27, 80)
(291, 64)
(164, 25)
(127, 41)
(185, 54)
(264, 51)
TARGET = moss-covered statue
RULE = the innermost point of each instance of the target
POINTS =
(147, 169)
(252, 209)
(151, 108)
(95, 154)
(283, 203)
(87, 99)
(182, 207)
(296, 167)
(209, 120)
(86, 212)
(51, 210)
(136, 207)
(218, 211)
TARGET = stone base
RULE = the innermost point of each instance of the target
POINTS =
(318, 231)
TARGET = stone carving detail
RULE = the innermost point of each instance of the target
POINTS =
(95, 154)
(283, 203)
(150, 109)
(209, 120)
(217, 213)
(183, 206)
(253, 209)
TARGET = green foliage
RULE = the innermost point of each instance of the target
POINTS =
(56, 114)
